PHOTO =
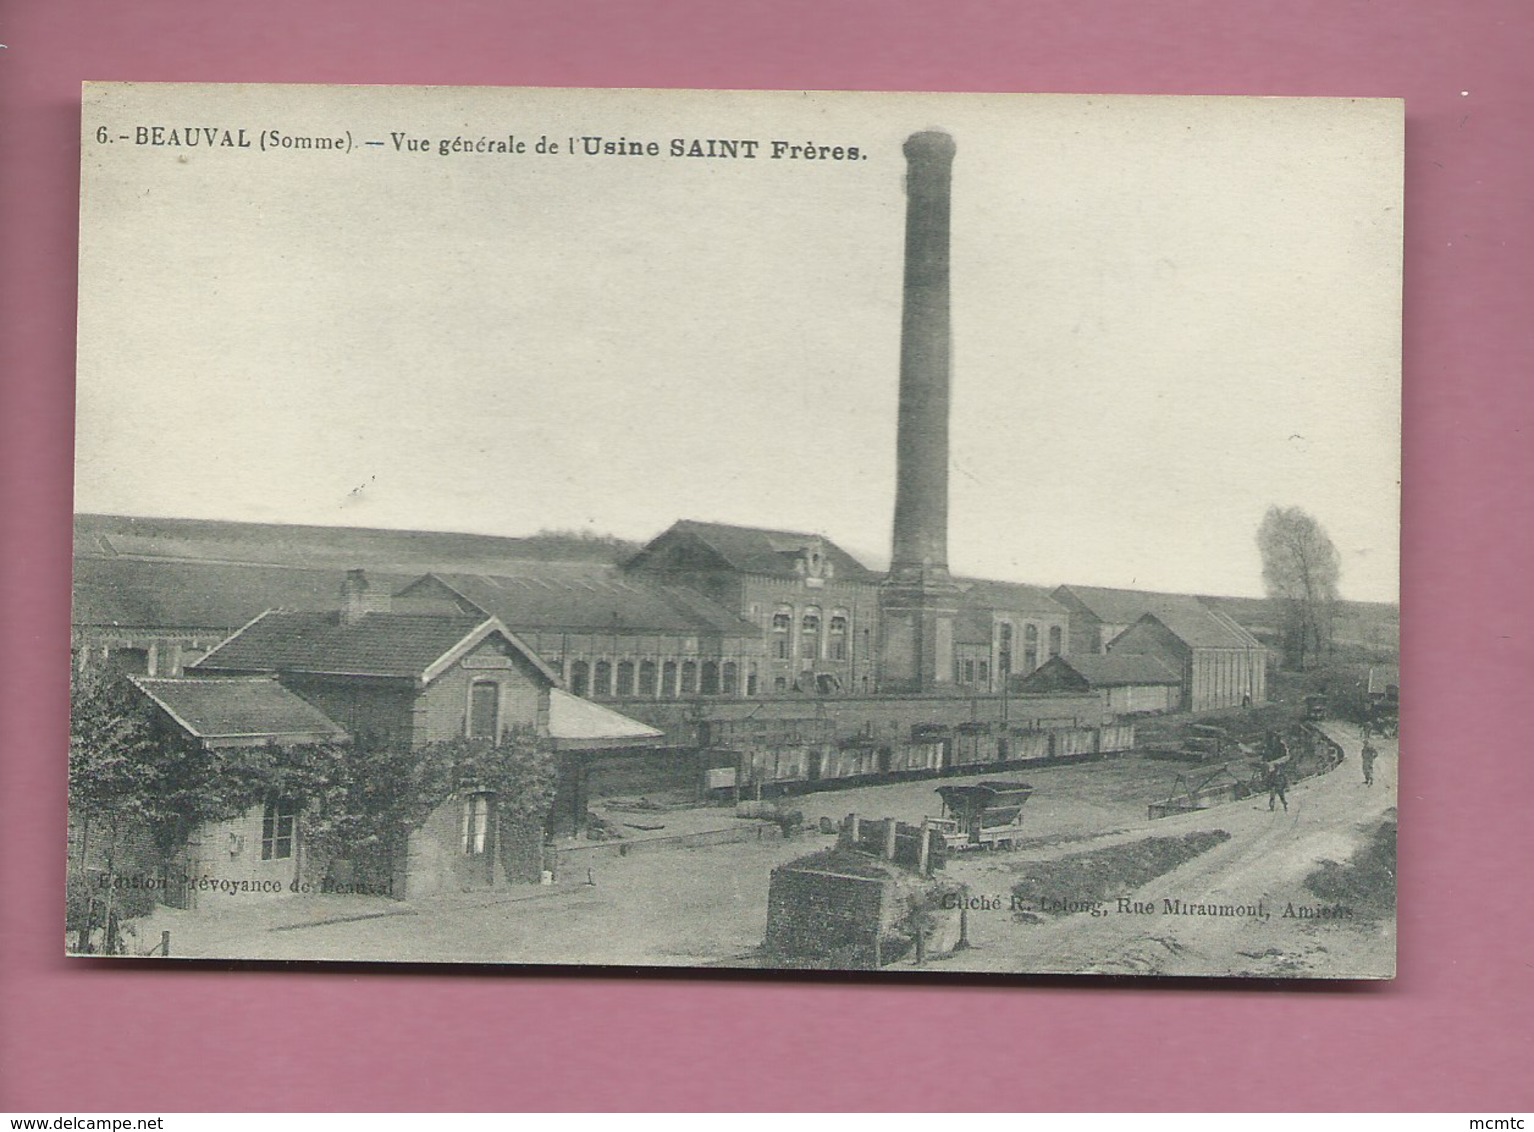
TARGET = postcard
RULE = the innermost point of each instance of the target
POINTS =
(905, 532)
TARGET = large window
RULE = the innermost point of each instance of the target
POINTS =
(1056, 641)
(604, 679)
(668, 679)
(484, 710)
(1030, 648)
(689, 677)
(809, 634)
(836, 644)
(782, 622)
(625, 678)
(580, 678)
(710, 678)
(478, 810)
(729, 678)
(1004, 650)
(278, 822)
(647, 678)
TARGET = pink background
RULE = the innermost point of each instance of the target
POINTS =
(1452, 1032)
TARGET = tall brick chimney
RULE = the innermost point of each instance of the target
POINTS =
(919, 599)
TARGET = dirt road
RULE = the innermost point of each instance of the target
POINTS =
(1260, 873)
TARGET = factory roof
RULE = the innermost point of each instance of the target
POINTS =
(578, 596)
(1009, 597)
(194, 595)
(291, 544)
(748, 550)
(1199, 627)
(1122, 607)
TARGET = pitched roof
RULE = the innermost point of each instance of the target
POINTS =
(1123, 607)
(1199, 627)
(1119, 669)
(255, 707)
(579, 724)
(757, 550)
(291, 544)
(377, 644)
(1009, 597)
(194, 595)
(586, 597)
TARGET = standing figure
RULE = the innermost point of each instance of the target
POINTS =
(1276, 771)
(1369, 754)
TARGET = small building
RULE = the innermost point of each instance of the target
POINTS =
(1130, 684)
(408, 679)
(259, 852)
(1219, 663)
(401, 678)
(1384, 687)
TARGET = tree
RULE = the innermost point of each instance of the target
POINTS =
(1300, 568)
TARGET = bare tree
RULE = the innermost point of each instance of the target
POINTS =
(1300, 568)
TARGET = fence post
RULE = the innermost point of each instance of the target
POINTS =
(165, 943)
(925, 850)
(889, 838)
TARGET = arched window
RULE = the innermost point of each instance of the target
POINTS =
(689, 677)
(604, 679)
(782, 623)
(751, 679)
(1030, 648)
(580, 678)
(710, 683)
(836, 644)
(809, 634)
(1004, 650)
(625, 678)
(729, 678)
(668, 679)
(1056, 640)
(484, 710)
(647, 678)
(780, 683)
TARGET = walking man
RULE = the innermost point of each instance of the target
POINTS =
(1369, 754)
(1276, 771)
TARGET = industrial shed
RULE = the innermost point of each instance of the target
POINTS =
(1130, 684)
(1220, 664)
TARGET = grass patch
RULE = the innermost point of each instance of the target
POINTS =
(1367, 880)
(1101, 874)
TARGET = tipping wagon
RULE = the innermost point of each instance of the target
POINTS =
(986, 815)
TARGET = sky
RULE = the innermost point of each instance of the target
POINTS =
(1169, 314)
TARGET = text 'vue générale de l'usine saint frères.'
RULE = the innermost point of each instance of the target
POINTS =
(270, 139)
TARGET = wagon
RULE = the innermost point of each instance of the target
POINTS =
(987, 815)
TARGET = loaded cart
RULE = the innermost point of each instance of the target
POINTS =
(986, 815)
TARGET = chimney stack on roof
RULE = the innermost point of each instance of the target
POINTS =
(358, 599)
